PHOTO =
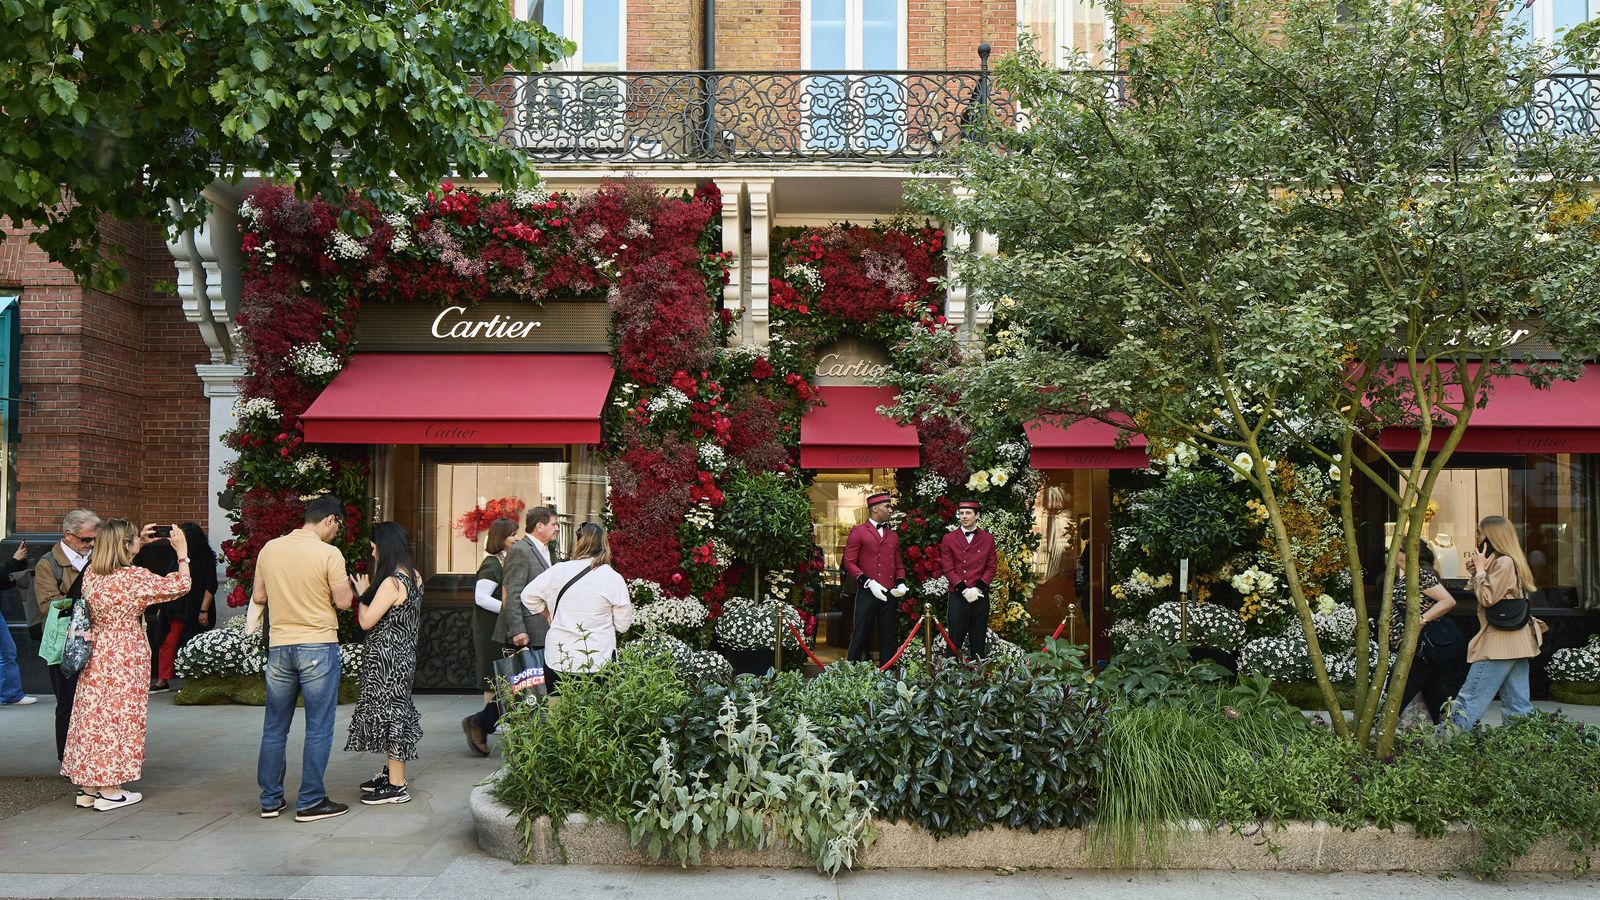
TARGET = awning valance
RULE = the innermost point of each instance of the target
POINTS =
(846, 431)
(1519, 418)
(1084, 444)
(463, 398)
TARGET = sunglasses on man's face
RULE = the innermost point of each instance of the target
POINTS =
(83, 540)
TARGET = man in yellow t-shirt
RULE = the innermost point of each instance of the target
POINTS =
(300, 581)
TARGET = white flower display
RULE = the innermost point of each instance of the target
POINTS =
(712, 457)
(346, 246)
(313, 361)
(746, 625)
(1285, 659)
(1255, 581)
(248, 409)
(669, 399)
(999, 477)
(313, 464)
(695, 667)
(936, 587)
(528, 198)
(1126, 631)
(930, 485)
(1000, 651)
(1242, 466)
(1209, 625)
(1576, 663)
(671, 614)
(1181, 456)
(1014, 452)
(1336, 628)
(803, 275)
(222, 653)
(700, 516)
(644, 591)
(979, 481)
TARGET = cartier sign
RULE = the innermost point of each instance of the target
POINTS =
(453, 322)
(852, 363)
(498, 326)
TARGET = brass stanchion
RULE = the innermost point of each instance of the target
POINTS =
(1183, 601)
(777, 623)
(927, 634)
(1072, 623)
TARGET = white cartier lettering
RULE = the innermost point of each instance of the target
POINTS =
(497, 327)
(832, 365)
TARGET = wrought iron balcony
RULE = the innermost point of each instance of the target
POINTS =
(889, 117)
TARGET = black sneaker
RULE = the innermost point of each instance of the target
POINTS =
(377, 781)
(272, 812)
(327, 809)
(387, 793)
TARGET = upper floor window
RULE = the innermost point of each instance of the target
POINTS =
(1548, 21)
(1062, 27)
(853, 34)
(598, 27)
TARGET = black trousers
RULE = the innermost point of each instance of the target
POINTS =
(968, 624)
(66, 690)
(1434, 683)
(871, 611)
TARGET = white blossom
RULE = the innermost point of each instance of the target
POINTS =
(249, 408)
(313, 361)
(345, 246)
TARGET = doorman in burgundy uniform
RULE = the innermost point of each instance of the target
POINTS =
(969, 561)
(872, 558)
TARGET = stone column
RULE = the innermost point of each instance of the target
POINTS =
(759, 206)
(981, 308)
(733, 242)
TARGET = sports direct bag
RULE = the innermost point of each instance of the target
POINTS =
(520, 676)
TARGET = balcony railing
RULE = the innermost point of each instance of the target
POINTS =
(892, 117)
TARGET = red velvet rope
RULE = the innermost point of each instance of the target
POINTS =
(949, 643)
(803, 645)
(909, 638)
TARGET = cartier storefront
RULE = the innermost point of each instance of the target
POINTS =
(468, 411)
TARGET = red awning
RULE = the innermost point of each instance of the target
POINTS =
(1084, 444)
(1519, 418)
(463, 398)
(847, 432)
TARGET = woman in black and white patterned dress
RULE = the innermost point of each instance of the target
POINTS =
(385, 720)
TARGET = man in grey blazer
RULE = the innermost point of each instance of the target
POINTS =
(516, 627)
(525, 559)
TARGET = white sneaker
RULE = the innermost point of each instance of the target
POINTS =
(126, 798)
(25, 701)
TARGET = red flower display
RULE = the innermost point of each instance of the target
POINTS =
(477, 520)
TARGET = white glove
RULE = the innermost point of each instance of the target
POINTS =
(876, 589)
(972, 594)
(900, 589)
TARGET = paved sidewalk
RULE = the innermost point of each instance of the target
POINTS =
(198, 834)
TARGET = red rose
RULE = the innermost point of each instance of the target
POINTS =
(762, 369)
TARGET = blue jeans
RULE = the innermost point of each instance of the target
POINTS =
(10, 675)
(294, 671)
(1487, 677)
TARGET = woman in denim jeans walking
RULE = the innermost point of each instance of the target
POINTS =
(1500, 658)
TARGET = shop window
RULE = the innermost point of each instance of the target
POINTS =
(838, 504)
(1549, 499)
(1062, 28)
(853, 113)
(429, 489)
(588, 112)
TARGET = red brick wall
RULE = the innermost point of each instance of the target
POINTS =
(757, 34)
(665, 34)
(941, 34)
(121, 420)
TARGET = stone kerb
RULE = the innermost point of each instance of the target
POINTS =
(1301, 846)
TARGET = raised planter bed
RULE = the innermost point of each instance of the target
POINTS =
(1301, 846)
(245, 690)
(1576, 693)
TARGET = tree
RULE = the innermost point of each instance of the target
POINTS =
(1287, 227)
(130, 110)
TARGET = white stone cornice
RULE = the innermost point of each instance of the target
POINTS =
(758, 203)
(210, 277)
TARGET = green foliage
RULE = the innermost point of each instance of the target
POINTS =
(1152, 670)
(1536, 778)
(1164, 764)
(590, 749)
(975, 749)
(1191, 513)
(767, 520)
(1236, 247)
(755, 790)
(121, 107)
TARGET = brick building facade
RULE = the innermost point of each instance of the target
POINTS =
(113, 416)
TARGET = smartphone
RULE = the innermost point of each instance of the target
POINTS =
(161, 531)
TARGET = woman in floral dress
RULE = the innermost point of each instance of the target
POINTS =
(105, 741)
(385, 720)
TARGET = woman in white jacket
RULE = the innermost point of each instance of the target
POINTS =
(586, 603)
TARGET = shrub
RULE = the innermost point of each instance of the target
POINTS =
(222, 652)
(1537, 777)
(592, 750)
(755, 791)
(1209, 625)
(1576, 663)
(696, 667)
(684, 618)
(977, 748)
(746, 625)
